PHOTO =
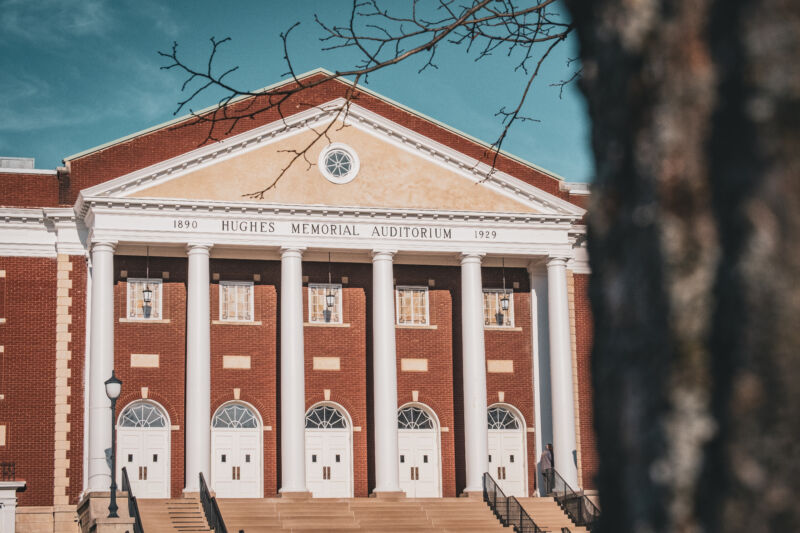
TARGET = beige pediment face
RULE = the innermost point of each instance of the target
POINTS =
(389, 177)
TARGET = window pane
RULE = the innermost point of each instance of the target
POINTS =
(137, 309)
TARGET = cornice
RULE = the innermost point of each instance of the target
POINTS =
(146, 206)
(356, 116)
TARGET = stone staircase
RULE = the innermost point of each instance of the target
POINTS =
(548, 515)
(272, 515)
(179, 515)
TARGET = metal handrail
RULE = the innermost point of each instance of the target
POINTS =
(210, 508)
(507, 508)
(576, 504)
(133, 507)
(8, 471)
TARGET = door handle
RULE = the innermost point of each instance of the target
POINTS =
(143, 473)
(236, 473)
(326, 472)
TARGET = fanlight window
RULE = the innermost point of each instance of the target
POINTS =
(413, 418)
(234, 416)
(338, 163)
(502, 418)
(325, 417)
(142, 415)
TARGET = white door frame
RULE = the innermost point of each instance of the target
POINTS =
(339, 407)
(437, 429)
(524, 429)
(260, 430)
(166, 429)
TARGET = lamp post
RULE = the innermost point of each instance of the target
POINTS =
(113, 388)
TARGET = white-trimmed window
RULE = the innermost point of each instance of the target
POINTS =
(318, 310)
(138, 309)
(412, 306)
(493, 313)
(236, 301)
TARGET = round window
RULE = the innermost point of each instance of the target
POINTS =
(338, 163)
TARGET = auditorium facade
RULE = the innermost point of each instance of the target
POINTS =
(391, 315)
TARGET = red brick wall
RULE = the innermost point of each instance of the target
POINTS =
(258, 386)
(28, 190)
(348, 386)
(516, 346)
(27, 373)
(166, 383)
(584, 332)
(435, 386)
(77, 366)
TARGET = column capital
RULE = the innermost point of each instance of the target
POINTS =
(555, 261)
(292, 251)
(104, 246)
(382, 255)
(198, 248)
(472, 257)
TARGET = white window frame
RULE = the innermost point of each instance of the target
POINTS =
(251, 307)
(498, 294)
(158, 294)
(397, 291)
(337, 287)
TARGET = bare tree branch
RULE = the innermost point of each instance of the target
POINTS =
(384, 37)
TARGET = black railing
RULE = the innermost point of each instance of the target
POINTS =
(133, 508)
(8, 471)
(507, 508)
(577, 506)
(210, 508)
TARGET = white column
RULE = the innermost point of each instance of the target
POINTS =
(384, 365)
(293, 385)
(540, 340)
(198, 368)
(564, 449)
(101, 363)
(476, 429)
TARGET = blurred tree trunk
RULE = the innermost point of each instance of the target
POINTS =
(695, 109)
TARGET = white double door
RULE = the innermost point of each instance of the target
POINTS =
(236, 463)
(419, 463)
(144, 452)
(328, 463)
(507, 461)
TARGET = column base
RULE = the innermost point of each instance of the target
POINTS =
(388, 494)
(472, 494)
(296, 495)
(193, 494)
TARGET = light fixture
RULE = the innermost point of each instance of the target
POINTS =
(147, 293)
(330, 297)
(500, 316)
(113, 389)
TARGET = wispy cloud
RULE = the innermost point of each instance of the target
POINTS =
(48, 21)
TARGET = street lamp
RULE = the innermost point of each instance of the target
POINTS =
(113, 388)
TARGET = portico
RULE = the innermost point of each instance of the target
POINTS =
(295, 234)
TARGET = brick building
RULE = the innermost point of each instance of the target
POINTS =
(394, 317)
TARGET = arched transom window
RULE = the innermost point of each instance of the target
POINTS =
(325, 417)
(413, 418)
(235, 416)
(142, 415)
(502, 418)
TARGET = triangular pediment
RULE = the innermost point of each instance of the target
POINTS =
(397, 169)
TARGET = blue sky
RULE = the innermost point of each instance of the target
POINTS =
(79, 73)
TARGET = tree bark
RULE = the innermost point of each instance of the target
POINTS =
(696, 286)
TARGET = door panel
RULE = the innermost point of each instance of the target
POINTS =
(236, 463)
(419, 464)
(328, 463)
(144, 452)
(508, 460)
